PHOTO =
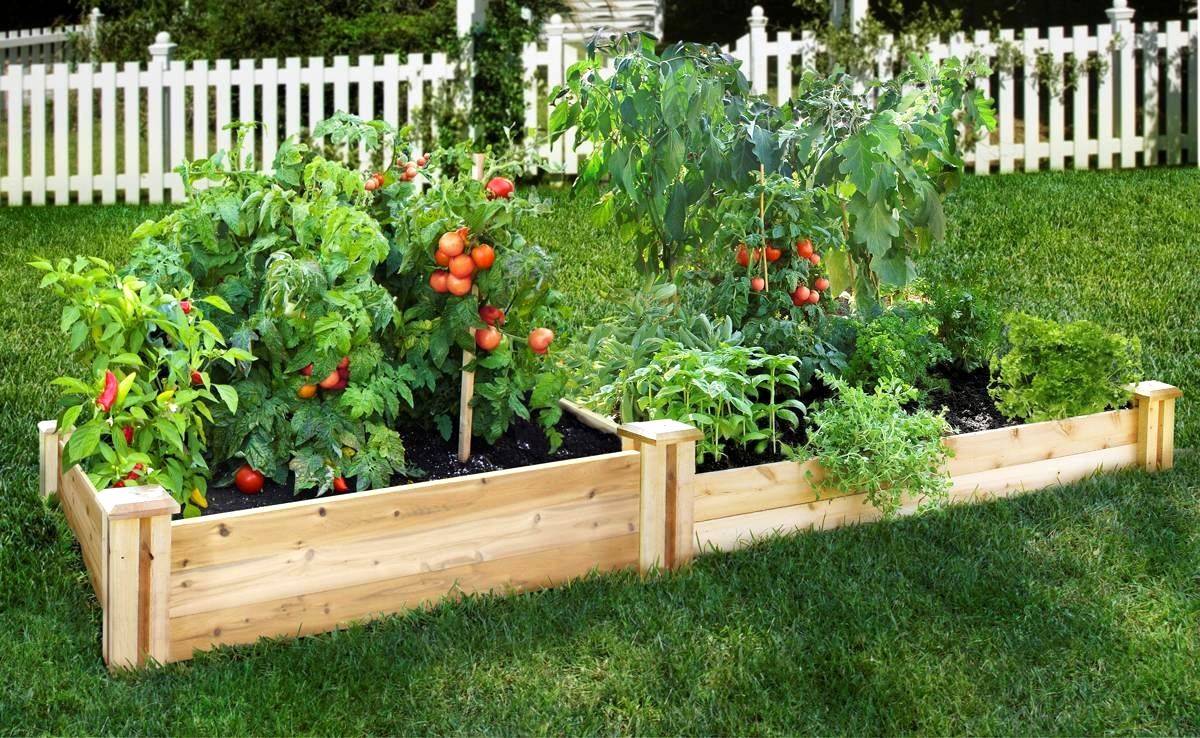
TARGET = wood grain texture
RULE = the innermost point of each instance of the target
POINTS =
(121, 630)
(736, 531)
(291, 551)
(1001, 447)
(77, 497)
(652, 507)
(49, 468)
(248, 534)
(780, 484)
(319, 611)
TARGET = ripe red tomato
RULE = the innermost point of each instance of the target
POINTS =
(331, 380)
(773, 254)
(488, 338)
(757, 284)
(440, 257)
(340, 486)
(491, 315)
(540, 340)
(814, 297)
(458, 286)
(197, 378)
(185, 306)
(800, 295)
(484, 256)
(438, 280)
(410, 171)
(307, 391)
(248, 480)
(462, 266)
(804, 248)
(452, 243)
(306, 371)
(344, 364)
(815, 259)
(821, 284)
(371, 185)
(743, 256)
(500, 187)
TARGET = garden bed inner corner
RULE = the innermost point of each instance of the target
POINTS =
(168, 588)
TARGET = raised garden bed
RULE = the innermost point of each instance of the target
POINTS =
(169, 588)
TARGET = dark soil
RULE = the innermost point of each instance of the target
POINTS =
(968, 405)
(523, 445)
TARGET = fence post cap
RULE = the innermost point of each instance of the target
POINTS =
(758, 16)
(660, 432)
(145, 501)
(1154, 390)
(162, 37)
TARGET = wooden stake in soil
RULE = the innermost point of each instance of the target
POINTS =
(762, 219)
(467, 387)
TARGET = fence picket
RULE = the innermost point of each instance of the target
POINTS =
(107, 80)
(86, 89)
(37, 134)
(1032, 100)
(1004, 106)
(269, 78)
(1080, 46)
(176, 82)
(132, 128)
(1106, 146)
(1176, 43)
(200, 110)
(15, 101)
(1149, 44)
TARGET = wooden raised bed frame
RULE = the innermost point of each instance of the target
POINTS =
(168, 588)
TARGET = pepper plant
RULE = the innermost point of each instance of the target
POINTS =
(143, 410)
(658, 126)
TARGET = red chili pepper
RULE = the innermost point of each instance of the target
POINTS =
(109, 394)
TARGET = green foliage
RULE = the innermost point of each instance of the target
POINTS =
(227, 29)
(735, 395)
(886, 154)
(900, 344)
(155, 353)
(658, 125)
(1059, 370)
(867, 443)
(498, 95)
(968, 326)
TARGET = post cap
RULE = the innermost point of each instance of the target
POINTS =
(660, 432)
(1154, 390)
(137, 502)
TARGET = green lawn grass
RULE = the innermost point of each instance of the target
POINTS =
(1069, 611)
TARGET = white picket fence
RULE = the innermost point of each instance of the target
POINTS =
(88, 132)
(1125, 108)
(38, 45)
(103, 132)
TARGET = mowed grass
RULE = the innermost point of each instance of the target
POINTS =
(1069, 611)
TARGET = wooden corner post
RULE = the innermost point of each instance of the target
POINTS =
(49, 466)
(138, 574)
(666, 520)
(1156, 424)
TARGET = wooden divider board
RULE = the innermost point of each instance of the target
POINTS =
(398, 540)
(736, 531)
(780, 484)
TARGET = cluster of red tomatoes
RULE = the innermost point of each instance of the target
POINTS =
(803, 294)
(459, 263)
(489, 337)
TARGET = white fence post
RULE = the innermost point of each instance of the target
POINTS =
(555, 60)
(1121, 18)
(93, 33)
(758, 50)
